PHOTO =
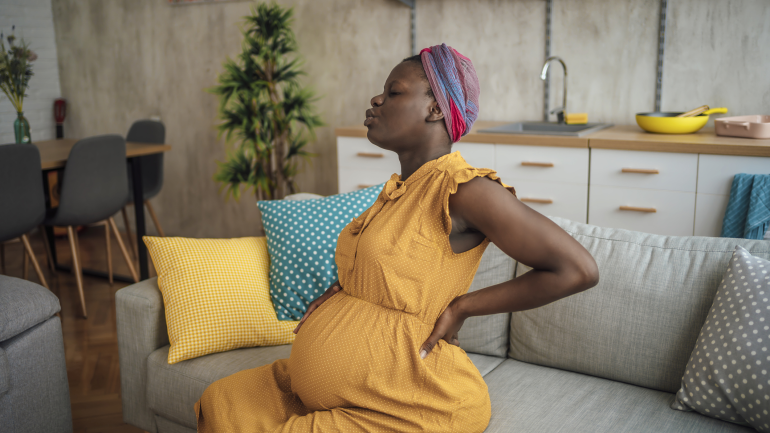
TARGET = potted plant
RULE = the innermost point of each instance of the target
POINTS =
(267, 116)
(15, 72)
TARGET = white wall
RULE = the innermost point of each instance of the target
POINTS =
(34, 23)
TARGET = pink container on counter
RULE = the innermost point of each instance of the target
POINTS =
(754, 126)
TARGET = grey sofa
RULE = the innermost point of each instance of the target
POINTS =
(606, 360)
(34, 392)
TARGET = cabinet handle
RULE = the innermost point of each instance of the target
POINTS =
(640, 170)
(362, 186)
(371, 155)
(536, 200)
(639, 209)
(537, 164)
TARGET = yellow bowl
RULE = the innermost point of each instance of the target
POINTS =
(668, 123)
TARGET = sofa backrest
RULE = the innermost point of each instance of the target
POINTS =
(640, 323)
(488, 335)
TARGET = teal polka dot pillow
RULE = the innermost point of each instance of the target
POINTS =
(301, 240)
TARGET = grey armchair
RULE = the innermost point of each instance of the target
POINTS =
(34, 392)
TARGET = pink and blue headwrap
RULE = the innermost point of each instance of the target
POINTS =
(455, 85)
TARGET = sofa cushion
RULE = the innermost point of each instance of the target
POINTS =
(23, 304)
(5, 373)
(302, 238)
(721, 379)
(640, 323)
(173, 389)
(38, 397)
(168, 426)
(484, 363)
(216, 295)
(528, 398)
(489, 334)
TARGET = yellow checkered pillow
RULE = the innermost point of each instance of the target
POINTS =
(217, 295)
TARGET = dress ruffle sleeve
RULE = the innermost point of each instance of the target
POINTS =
(453, 181)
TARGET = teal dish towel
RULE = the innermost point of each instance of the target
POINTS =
(748, 211)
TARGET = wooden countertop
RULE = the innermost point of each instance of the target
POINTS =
(631, 137)
(54, 153)
(623, 137)
(476, 137)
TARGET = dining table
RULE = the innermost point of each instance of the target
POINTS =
(53, 156)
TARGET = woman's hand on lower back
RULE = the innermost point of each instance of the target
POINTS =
(331, 291)
(447, 327)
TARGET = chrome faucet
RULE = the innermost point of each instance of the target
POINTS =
(560, 111)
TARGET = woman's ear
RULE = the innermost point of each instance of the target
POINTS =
(434, 113)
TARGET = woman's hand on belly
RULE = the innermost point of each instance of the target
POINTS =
(447, 326)
(335, 287)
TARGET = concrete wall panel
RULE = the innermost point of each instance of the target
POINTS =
(132, 59)
(504, 39)
(610, 49)
(129, 59)
(718, 53)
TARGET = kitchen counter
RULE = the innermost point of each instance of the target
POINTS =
(623, 137)
(631, 137)
(476, 137)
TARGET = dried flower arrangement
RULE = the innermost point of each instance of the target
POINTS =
(15, 72)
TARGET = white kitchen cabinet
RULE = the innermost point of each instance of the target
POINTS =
(360, 153)
(480, 155)
(715, 178)
(362, 164)
(652, 192)
(645, 210)
(681, 194)
(550, 180)
(541, 163)
(715, 172)
(359, 178)
(709, 213)
(648, 170)
(562, 199)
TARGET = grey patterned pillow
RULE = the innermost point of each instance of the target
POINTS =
(727, 375)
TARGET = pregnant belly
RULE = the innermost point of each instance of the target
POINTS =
(352, 353)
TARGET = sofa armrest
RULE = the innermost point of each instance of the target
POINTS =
(142, 330)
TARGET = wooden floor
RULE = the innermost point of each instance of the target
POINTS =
(90, 345)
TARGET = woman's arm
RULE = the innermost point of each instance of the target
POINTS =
(560, 265)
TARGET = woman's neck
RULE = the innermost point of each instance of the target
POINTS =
(412, 161)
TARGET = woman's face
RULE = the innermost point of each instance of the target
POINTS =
(402, 116)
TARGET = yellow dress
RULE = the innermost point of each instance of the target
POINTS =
(355, 363)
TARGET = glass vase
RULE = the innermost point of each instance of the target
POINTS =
(21, 129)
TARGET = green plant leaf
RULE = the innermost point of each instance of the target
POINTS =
(261, 103)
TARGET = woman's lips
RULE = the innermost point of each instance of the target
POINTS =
(369, 117)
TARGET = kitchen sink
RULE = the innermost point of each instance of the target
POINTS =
(547, 128)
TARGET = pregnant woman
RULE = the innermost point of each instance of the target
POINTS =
(378, 351)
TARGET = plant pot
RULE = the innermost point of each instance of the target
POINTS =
(21, 129)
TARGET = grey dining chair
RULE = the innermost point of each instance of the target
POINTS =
(146, 131)
(93, 188)
(22, 201)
